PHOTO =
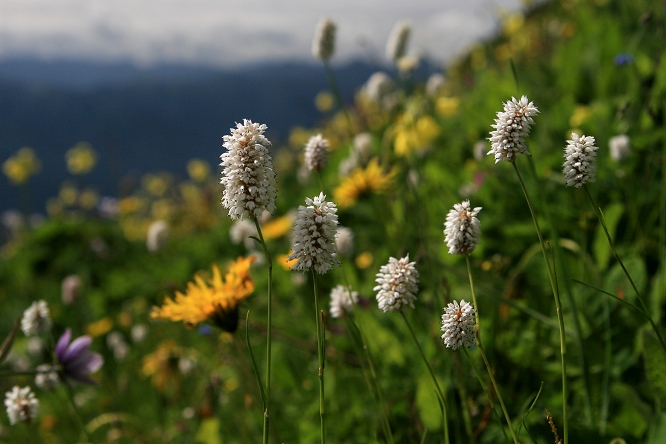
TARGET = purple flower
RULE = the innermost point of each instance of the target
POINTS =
(76, 360)
(623, 59)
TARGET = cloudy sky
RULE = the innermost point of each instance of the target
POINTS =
(227, 33)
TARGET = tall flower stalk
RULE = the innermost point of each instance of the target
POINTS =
(398, 283)
(249, 190)
(313, 246)
(507, 143)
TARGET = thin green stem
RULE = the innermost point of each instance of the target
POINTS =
(269, 262)
(336, 93)
(485, 390)
(497, 391)
(70, 397)
(476, 306)
(558, 306)
(321, 355)
(644, 306)
(434, 379)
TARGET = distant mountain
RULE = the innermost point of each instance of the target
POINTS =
(141, 120)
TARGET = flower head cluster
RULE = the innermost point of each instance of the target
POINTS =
(342, 300)
(511, 127)
(216, 300)
(461, 229)
(47, 377)
(323, 43)
(396, 46)
(316, 153)
(620, 147)
(76, 360)
(36, 319)
(580, 165)
(21, 404)
(248, 176)
(344, 241)
(313, 238)
(458, 325)
(398, 283)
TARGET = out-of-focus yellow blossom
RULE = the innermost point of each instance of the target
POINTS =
(230, 385)
(99, 328)
(283, 260)
(364, 260)
(513, 23)
(580, 115)
(54, 207)
(362, 181)
(298, 137)
(162, 364)
(68, 194)
(216, 300)
(447, 106)
(125, 319)
(129, 205)
(88, 199)
(162, 209)
(20, 167)
(415, 136)
(324, 101)
(81, 158)
(134, 229)
(277, 227)
(198, 170)
(155, 184)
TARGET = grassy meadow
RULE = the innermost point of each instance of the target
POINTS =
(399, 158)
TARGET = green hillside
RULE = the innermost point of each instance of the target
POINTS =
(398, 161)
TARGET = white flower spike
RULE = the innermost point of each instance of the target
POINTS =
(511, 127)
(398, 284)
(459, 325)
(580, 165)
(462, 230)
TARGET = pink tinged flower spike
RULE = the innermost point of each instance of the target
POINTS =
(461, 229)
(75, 359)
(511, 127)
(248, 175)
(459, 325)
(580, 165)
(313, 238)
(398, 283)
(21, 405)
(316, 153)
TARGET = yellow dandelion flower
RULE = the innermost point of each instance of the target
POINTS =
(447, 106)
(99, 328)
(216, 300)
(81, 158)
(277, 227)
(362, 181)
(20, 167)
(162, 364)
(364, 260)
(156, 185)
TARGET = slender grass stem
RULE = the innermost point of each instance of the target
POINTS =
(486, 391)
(321, 356)
(644, 306)
(434, 379)
(558, 306)
(269, 262)
(483, 353)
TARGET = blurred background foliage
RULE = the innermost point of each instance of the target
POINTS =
(595, 67)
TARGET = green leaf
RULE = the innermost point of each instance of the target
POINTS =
(209, 432)
(601, 248)
(427, 403)
(655, 364)
(616, 281)
(658, 433)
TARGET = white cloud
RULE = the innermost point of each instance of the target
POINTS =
(232, 32)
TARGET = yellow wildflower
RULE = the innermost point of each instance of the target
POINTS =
(580, 115)
(411, 136)
(283, 260)
(81, 158)
(276, 228)
(364, 260)
(20, 167)
(447, 106)
(99, 328)
(198, 170)
(216, 300)
(162, 364)
(363, 181)
(324, 101)
(155, 184)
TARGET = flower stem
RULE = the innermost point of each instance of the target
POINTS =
(644, 306)
(321, 355)
(558, 306)
(269, 262)
(70, 397)
(336, 93)
(476, 306)
(434, 379)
